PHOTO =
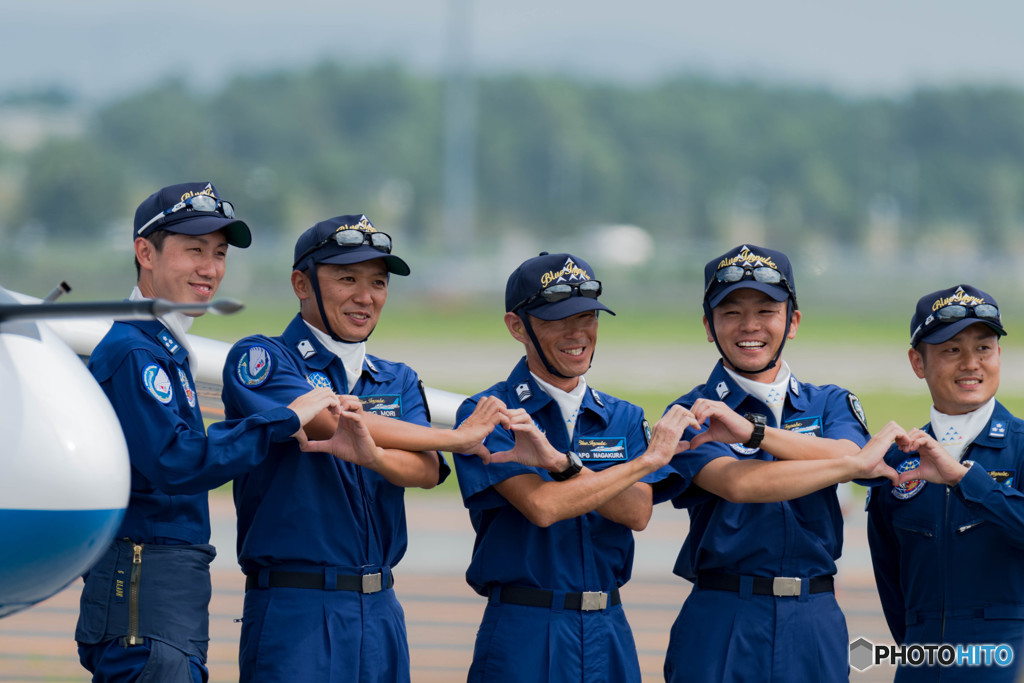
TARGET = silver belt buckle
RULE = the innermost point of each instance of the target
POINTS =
(593, 601)
(785, 587)
(372, 583)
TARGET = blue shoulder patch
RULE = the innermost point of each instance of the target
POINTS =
(157, 383)
(254, 366)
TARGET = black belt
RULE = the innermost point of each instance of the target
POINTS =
(779, 586)
(538, 597)
(360, 583)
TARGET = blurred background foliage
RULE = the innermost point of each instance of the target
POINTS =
(875, 198)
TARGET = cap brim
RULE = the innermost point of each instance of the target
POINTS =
(236, 231)
(774, 291)
(946, 332)
(349, 255)
(567, 308)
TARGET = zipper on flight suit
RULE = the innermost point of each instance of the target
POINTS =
(133, 597)
(947, 524)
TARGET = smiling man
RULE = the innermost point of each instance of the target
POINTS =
(320, 533)
(554, 519)
(947, 543)
(144, 609)
(765, 523)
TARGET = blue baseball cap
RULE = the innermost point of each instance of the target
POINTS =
(941, 315)
(524, 290)
(190, 209)
(325, 242)
(750, 267)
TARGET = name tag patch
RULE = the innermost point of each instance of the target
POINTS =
(389, 405)
(602, 449)
(1004, 477)
(804, 425)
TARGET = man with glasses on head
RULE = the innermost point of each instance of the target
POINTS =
(760, 486)
(319, 535)
(144, 608)
(947, 542)
(566, 484)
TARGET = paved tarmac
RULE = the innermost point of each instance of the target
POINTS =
(442, 612)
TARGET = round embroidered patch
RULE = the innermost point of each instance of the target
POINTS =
(254, 366)
(319, 379)
(908, 489)
(739, 448)
(157, 383)
(190, 394)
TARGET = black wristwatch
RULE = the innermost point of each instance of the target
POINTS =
(759, 421)
(575, 465)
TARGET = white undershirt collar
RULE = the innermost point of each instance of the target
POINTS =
(351, 354)
(771, 394)
(955, 432)
(569, 402)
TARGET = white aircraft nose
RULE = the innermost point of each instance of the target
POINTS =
(64, 469)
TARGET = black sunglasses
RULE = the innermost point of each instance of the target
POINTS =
(763, 274)
(351, 237)
(954, 312)
(551, 294)
(199, 202)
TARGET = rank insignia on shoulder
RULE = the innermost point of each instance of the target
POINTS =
(254, 366)
(908, 489)
(157, 383)
(305, 349)
(597, 397)
(857, 410)
(722, 389)
(523, 392)
(998, 430)
(319, 379)
(794, 386)
(190, 393)
(169, 342)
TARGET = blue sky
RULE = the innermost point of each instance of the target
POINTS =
(101, 48)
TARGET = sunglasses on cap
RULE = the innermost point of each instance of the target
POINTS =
(551, 294)
(763, 274)
(199, 202)
(954, 312)
(351, 237)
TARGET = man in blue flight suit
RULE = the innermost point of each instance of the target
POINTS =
(947, 543)
(144, 609)
(765, 523)
(320, 534)
(554, 516)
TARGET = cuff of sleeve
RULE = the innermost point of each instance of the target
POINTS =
(975, 484)
(283, 423)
